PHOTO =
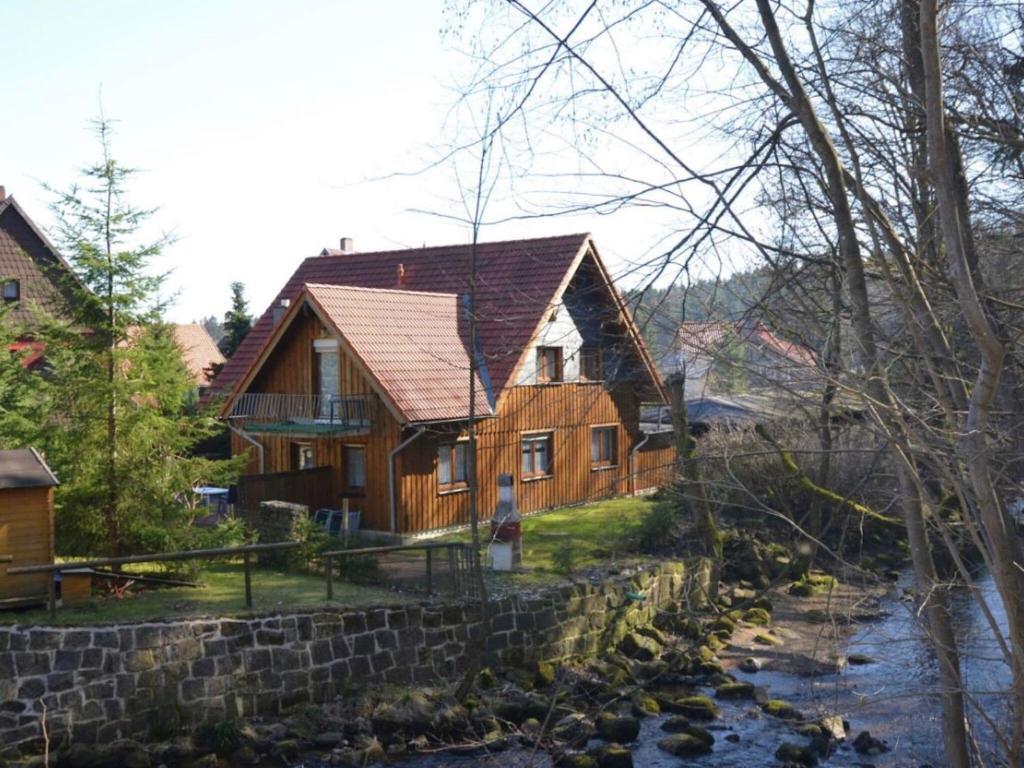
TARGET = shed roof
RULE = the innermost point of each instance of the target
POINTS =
(24, 468)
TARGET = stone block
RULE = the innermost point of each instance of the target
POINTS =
(67, 660)
(148, 638)
(354, 623)
(320, 652)
(32, 688)
(138, 661)
(32, 663)
(44, 639)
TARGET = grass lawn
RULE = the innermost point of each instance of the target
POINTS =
(596, 533)
(222, 594)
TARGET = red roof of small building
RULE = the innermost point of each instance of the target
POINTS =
(517, 280)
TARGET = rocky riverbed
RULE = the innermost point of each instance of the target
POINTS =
(816, 672)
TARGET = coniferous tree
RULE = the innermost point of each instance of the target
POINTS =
(237, 321)
(121, 432)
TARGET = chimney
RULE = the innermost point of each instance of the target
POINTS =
(348, 245)
(280, 309)
(3, 193)
(401, 275)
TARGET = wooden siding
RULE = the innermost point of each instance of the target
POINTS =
(26, 532)
(290, 368)
(568, 411)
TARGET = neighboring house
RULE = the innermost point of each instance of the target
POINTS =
(361, 366)
(26, 524)
(32, 273)
(723, 357)
(199, 352)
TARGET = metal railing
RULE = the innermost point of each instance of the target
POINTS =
(347, 411)
(458, 562)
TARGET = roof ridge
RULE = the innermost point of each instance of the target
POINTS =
(334, 254)
(363, 289)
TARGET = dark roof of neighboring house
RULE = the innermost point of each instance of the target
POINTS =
(28, 256)
(199, 351)
(24, 468)
(412, 345)
(703, 338)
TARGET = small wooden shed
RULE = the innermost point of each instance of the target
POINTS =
(26, 524)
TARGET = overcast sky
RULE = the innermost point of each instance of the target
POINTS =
(262, 129)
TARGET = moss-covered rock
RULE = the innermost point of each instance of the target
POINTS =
(637, 646)
(577, 760)
(763, 603)
(645, 706)
(763, 638)
(675, 724)
(781, 709)
(789, 753)
(697, 707)
(715, 643)
(738, 690)
(684, 745)
(723, 624)
(544, 675)
(758, 616)
(613, 756)
(618, 728)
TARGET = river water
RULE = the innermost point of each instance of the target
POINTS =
(892, 698)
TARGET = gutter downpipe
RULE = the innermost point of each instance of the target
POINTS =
(632, 462)
(392, 490)
(249, 439)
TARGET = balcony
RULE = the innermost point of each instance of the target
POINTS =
(305, 415)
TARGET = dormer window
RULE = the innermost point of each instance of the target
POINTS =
(11, 290)
(549, 364)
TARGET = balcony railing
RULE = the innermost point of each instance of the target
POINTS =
(302, 414)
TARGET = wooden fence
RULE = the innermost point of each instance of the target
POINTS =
(458, 560)
(312, 487)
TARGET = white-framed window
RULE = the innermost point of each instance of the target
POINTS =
(591, 363)
(10, 290)
(536, 452)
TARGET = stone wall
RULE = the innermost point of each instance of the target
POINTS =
(147, 681)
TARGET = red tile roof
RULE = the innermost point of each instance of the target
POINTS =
(516, 282)
(198, 351)
(413, 344)
(700, 338)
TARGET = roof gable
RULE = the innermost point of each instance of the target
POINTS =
(28, 256)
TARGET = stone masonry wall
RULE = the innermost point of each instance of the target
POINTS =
(147, 681)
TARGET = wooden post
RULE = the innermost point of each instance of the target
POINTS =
(248, 580)
(430, 571)
(344, 522)
(329, 573)
(51, 594)
(453, 570)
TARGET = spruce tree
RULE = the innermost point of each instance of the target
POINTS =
(122, 430)
(237, 321)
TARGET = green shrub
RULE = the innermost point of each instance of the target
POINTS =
(566, 557)
(223, 738)
(660, 526)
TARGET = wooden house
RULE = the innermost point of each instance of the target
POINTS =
(355, 384)
(26, 523)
